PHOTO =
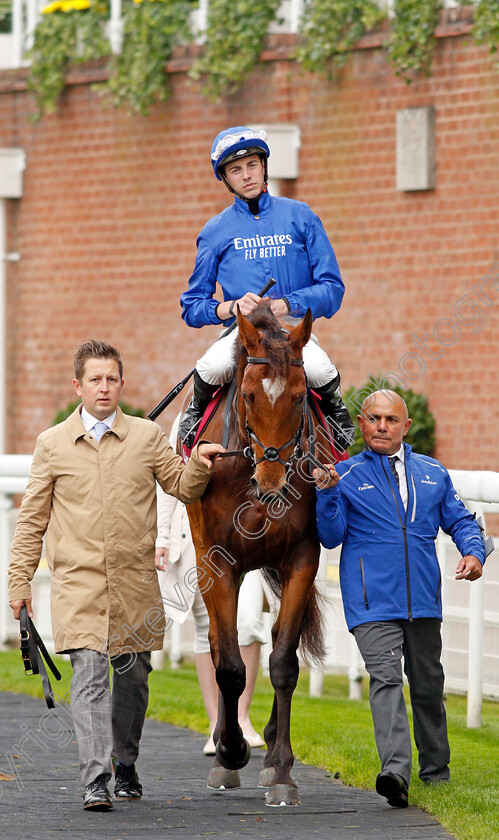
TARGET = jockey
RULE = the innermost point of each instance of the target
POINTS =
(254, 239)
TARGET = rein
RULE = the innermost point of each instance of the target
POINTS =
(270, 453)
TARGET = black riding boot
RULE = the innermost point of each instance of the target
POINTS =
(195, 410)
(336, 412)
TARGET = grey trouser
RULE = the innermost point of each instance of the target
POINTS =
(382, 645)
(108, 725)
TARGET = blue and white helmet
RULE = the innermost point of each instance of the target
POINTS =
(237, 142)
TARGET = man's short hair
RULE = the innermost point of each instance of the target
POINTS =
(93, 349)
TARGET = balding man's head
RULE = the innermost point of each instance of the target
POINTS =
(384, 421)
(386, 398)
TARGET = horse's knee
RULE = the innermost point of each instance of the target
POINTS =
(284, 669)
(231, 677)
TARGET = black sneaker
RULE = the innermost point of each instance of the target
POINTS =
(126, 784)
(97, 796)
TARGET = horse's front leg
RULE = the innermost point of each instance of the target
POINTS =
(232, 750)
(284, 670)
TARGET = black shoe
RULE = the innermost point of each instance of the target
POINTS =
(126, 785)
(189, 423)
(393, 788)
(97, 796)
(336, 413)
(434, 781)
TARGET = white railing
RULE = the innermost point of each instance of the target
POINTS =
(471, 611)
(14, 471)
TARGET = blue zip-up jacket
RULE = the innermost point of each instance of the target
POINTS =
(285, 241)
(389, 567)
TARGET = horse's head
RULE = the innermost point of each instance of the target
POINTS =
(272, 386)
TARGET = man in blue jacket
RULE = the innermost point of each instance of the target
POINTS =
(385, 506)
(257, 238)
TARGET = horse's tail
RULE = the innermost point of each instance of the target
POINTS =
(312, 641)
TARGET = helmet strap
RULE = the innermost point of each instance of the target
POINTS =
(224, 179)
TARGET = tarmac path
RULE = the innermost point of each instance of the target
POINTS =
(43, 799)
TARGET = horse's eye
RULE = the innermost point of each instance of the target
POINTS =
(299, 401)
(245, 397)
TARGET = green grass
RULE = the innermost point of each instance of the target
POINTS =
(336, 734)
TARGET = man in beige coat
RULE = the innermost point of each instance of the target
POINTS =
(92, 493)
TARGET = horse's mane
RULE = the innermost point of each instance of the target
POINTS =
(277, 348)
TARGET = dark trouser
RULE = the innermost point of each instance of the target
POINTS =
(108, 724)
(382, 645)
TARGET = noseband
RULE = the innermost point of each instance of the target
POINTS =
(272, 453)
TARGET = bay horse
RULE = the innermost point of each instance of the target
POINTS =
(258, 511)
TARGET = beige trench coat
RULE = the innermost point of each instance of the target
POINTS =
(96, 503)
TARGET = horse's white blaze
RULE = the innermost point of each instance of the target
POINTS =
(274, 387)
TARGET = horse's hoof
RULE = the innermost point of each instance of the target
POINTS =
(233, 764)
(278, 795)
(266, 777)
(222, 779)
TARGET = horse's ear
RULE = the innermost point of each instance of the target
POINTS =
(302, 332)
(248, 334)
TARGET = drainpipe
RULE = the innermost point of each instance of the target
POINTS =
(3, 319)
(4, 259)
(12, 165)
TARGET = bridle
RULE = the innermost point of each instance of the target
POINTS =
(271, 453)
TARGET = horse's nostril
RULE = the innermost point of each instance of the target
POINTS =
(254, 484)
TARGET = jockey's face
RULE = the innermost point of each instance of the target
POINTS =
(246, 176)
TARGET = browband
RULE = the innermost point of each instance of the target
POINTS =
(257, 360)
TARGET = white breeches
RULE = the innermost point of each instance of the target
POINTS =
(217, 366)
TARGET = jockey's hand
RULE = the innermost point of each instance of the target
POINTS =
(207, 453)
(247, 303)
(469, 568)
(161, 558)
(325, 477)
(16, 607)
(279, 307)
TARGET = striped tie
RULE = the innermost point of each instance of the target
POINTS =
(391, 461)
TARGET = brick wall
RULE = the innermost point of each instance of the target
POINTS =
(112, 206)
